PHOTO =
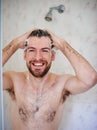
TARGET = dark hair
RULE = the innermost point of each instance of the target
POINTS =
(41, 33)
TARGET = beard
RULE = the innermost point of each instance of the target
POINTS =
(37, 73)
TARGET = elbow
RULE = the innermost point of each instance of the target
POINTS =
(95, 78)
(92, 80)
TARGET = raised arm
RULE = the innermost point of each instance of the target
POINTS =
(13, 46)
(8, 51)
(85, 75)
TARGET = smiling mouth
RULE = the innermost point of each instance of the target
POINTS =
(38, 64)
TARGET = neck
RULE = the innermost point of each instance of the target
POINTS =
(37, 81)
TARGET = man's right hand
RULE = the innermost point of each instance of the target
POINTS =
(21, 39)
(13, 46)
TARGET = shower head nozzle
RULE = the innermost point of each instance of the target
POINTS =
(59, 8)
(48, 17)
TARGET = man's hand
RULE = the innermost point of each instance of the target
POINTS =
(20, 41)
(14, 45)
(57, 41)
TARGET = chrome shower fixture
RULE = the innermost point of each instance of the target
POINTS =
(59, 8)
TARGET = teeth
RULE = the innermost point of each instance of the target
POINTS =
(37, 64)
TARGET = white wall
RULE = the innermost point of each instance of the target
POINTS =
(77, 25)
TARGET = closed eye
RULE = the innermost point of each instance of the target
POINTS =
(46, 50)
(30, 50)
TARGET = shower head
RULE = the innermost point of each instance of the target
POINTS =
(59, 8)
(48, 17)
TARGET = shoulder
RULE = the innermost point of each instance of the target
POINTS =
(61, 77)
(13, 74)
(63, 80)
(60, 82)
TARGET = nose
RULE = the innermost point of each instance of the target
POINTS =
(38, 55)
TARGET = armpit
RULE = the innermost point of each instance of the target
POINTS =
(65, 94)
(11, 93)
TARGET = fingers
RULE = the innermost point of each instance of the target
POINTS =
(27, 33)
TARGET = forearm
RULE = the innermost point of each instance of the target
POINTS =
(8, 51)
(83, 70)
(11, 48)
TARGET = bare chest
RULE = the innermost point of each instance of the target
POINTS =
(43, 106)
(39, 108)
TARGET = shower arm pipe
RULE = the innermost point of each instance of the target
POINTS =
(59, 8)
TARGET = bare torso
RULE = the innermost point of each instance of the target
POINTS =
(37, 110)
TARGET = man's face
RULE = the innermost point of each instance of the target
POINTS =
(38, 56)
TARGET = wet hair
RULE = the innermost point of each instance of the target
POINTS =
(40, 33)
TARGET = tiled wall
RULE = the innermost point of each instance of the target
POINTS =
(77, 25)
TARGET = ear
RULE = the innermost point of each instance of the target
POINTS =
(53, 55)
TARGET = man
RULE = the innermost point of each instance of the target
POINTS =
(38, 96)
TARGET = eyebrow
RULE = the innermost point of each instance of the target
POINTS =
(46, 48)
(41, 48)
(31, 48)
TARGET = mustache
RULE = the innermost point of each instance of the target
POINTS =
(41, 60)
